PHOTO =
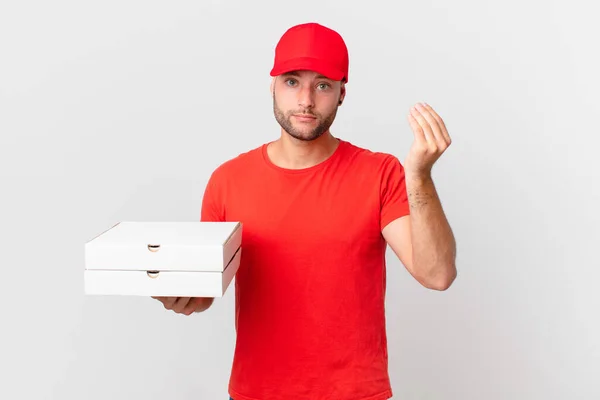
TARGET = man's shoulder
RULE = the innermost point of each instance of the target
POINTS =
(241, 162)
(369, 157)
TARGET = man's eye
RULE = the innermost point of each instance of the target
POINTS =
(323, 86)
(290, 82)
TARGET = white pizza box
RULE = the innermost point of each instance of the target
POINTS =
(182, 259)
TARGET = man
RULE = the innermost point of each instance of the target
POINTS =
(318, 213)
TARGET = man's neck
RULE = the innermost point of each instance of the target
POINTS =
(288, 152)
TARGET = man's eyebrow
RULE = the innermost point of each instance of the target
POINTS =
(296, 74)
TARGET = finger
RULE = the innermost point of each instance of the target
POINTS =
(169, 302)
(430, 138)
(180, 304)
(192, 305)
(418, 131)
(436, 131)
(160, 298)
(440, 122)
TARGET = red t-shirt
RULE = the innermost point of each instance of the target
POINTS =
(310, 316)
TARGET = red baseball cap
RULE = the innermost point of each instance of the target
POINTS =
(313, 47)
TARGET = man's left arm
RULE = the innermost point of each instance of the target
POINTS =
(423, 240)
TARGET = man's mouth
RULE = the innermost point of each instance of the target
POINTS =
(304, 117)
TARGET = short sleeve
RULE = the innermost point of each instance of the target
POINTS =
(394, 199)
(213, 208)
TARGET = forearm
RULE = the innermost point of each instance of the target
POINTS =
(433, 243)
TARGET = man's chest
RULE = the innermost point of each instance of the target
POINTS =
(319, 214)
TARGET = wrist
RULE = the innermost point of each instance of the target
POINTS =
(418, 177)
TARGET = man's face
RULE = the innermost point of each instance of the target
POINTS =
(305, 103)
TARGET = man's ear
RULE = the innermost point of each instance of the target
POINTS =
(342, 93)
(272, 85)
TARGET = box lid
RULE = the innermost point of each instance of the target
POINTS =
(165, 245)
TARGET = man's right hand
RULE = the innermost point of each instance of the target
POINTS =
(185, 305)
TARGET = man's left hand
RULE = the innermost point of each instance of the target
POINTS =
(431, 140)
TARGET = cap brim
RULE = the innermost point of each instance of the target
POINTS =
(308, 64)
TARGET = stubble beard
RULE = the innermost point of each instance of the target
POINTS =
(286, 123)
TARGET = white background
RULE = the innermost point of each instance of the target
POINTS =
(107, 113)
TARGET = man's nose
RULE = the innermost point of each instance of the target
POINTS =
(306, 97)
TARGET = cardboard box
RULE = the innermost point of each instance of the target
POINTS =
(183, 259)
